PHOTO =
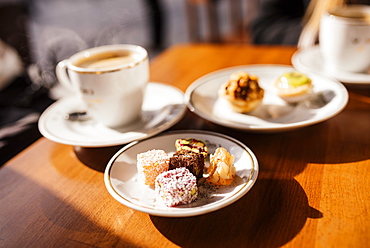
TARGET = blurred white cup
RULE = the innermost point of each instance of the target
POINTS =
(110, 79)
(344, 38)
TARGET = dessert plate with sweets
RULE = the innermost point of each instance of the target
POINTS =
(181, 173)
(265, 98)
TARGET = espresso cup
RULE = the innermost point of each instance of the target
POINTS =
(110, 80)
(344, 38)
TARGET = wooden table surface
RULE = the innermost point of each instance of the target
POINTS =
(313, 189)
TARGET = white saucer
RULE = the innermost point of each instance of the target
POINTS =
(273, 115)
(310, 60)
(122, 182)
(158, 114)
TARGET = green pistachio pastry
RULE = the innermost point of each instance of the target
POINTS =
(293, 86)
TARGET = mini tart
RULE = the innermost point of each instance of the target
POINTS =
(293, 87)
(242, 91)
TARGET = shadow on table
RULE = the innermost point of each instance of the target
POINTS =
(96, 158)
(46, 219)
(270, 215)
(304, 145)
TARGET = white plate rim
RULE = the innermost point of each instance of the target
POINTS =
(184, 212)
(349, 78)
(240, 126)
(106, 142)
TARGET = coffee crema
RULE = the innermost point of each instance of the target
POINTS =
(352, 12)
(107, 60)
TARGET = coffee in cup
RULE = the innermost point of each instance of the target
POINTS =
(345, 38)
(106, 60)
(111, 81)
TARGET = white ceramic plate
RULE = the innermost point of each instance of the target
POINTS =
(273, 115)
(310, 60)
(122, 183)
(158, 114)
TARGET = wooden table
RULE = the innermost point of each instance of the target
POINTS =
(313, 189)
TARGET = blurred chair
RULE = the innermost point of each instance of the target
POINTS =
(209, 15)
(156, 10)
(13, 27)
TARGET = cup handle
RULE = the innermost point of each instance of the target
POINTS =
(62, 75)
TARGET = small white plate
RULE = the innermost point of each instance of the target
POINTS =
(273, 115)
(163, 107)
(122, 181)
(310, 60)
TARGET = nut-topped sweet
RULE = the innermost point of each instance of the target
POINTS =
(191, 144)
(242, 91)
(221, 170)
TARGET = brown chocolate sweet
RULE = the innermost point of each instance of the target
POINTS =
(193, 161)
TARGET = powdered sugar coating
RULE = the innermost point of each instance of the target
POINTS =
(150, 164)
(175, 187)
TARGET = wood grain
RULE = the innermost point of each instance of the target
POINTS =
(313, 189)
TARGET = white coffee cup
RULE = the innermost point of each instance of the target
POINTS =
(110, 79)
(344, 38)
